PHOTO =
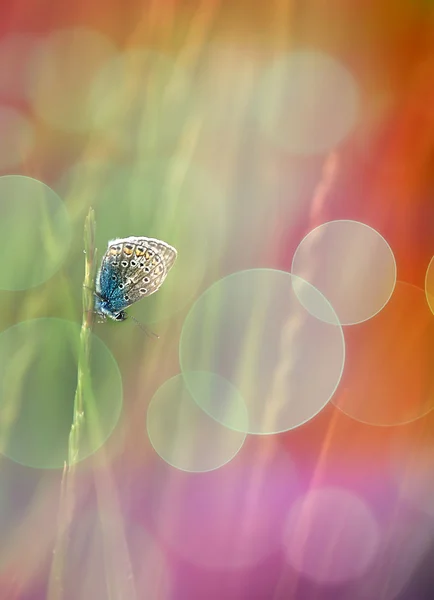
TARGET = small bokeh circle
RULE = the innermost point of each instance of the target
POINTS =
(183, 434)
(351, 264)
(312, 102)
(16, 133)
(148, 106)
(330, 536)
(16, 52)
(63, 69)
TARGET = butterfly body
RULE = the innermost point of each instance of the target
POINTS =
(131, 269)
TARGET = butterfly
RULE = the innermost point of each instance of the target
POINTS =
(131, 269)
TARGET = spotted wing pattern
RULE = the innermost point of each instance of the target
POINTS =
(133, 268)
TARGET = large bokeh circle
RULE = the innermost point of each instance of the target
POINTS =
(388, 377)
(252, 329)
(38, 380)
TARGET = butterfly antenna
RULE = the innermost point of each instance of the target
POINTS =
(148, 332)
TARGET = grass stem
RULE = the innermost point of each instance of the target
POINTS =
(83, 376)
(67, 503)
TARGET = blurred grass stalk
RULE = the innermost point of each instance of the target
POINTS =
(83, 377)
(67, 499)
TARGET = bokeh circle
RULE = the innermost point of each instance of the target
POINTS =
(184, 435)
(63, 69)
(16, 133)
(351, 264)
(311, 102)
(429, 284)
(388, 378)
(35, 231)
(252, 329)
(149, 104)
(38, 380)
(16, 52)
(330, 536)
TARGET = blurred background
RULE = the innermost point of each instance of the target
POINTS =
(277, 441)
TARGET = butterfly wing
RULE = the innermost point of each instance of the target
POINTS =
(133, 268)
(109, 284)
